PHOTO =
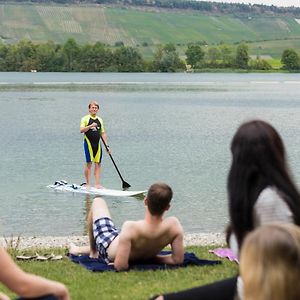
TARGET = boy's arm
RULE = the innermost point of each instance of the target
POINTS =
(84, 129)
(104, 138)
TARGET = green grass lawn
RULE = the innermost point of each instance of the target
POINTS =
(275, 63)
(84, 284)
(273, 48)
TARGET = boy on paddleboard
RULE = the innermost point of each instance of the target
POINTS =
(92, 127)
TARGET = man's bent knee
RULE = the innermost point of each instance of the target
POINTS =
(99, 201)
(100, 208)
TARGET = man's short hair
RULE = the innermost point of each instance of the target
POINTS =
(159, 197)
(93, 103)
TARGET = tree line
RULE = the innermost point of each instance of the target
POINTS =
(72, 57)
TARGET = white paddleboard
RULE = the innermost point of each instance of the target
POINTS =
(63, 186)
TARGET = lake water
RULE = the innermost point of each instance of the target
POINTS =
(175, 128)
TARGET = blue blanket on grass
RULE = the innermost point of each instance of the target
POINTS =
(99, 265)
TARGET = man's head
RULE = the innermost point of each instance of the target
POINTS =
(93, 107)
(158, 198)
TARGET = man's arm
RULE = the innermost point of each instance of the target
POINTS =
(121, 262)
(177, 255)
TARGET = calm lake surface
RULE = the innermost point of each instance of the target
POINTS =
(175, 128)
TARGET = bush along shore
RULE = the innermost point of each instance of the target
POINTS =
(73, 57)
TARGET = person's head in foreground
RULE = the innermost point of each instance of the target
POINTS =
(158, 198)
(270, 263)
(258, 161)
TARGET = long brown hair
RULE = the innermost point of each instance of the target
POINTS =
(258, 161)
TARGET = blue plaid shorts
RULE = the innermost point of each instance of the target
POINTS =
(104, 232)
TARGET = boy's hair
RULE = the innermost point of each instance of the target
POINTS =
(159, 197)
(93, 103)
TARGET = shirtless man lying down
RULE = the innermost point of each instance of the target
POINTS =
(138, 240)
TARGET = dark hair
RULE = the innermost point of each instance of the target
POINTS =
(159, 197)
(258, 161)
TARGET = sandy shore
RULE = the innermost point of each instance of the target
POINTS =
(201, 239)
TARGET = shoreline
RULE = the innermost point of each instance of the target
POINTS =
(22, 243)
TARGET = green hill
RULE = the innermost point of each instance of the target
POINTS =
(268, 35)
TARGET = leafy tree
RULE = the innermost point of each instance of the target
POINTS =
(25, 55)
(10, 63)
(213, 54)
(169, 48)
(71, 52)
(290, 59)
(49, 57)
(95, 58)
(166, 59)
(3, 57)
(128, 59)
(226, 54)
(194, 55)
(242, 56)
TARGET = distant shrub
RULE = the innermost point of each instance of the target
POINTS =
(259, 64)
(290, 59)
(119, 44)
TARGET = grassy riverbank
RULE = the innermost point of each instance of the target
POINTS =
(125, 285)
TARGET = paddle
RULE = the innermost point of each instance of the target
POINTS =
(125, 184)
